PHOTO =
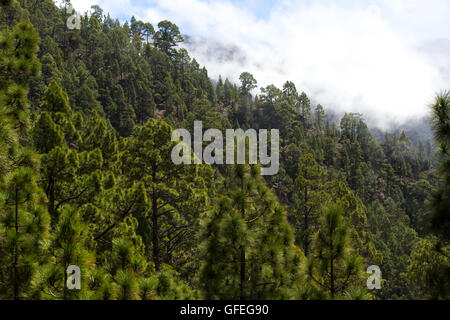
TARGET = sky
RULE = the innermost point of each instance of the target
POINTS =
(384, 58)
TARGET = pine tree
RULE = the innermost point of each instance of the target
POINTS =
(319, 116)
(439, 277)
(24, 225)
(290, 92)
(428, 272)
(228, 92)
(167, 37)
(24, 221)
(248, 244)
(176, 193)
(220, 90)
(441, 199)
(333, 267)
(71, 244)
(68, 175)
(127, 265)
(305, 107)
(248, 83)
(18, 62)
(309, 183)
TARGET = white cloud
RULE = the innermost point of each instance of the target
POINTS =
(115, 7)
(371, 58)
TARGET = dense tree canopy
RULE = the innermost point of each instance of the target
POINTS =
(86, 177)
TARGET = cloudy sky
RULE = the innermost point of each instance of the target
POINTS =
(384, 58)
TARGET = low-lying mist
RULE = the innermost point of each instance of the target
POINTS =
(383, 58)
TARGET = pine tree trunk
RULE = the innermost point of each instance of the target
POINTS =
(16, 251)
(306, 235)
(242, 294)
(51, 197)
(306, 225)
(332, 279)
(65, 283)
(243, 262)
(155, 230)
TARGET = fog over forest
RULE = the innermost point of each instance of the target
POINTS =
(385, 59)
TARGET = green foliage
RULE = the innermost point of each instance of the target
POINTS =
(311, 196)
(248, 83)
(24, 226)
(177, 195)
(334, 268)
(441, 199)
(70, 245)
(167, 37)
(24, 222)
(248, 248)
(86, 177)
(429, 272)
(18, 62)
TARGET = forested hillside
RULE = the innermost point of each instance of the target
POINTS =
(86, 177)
